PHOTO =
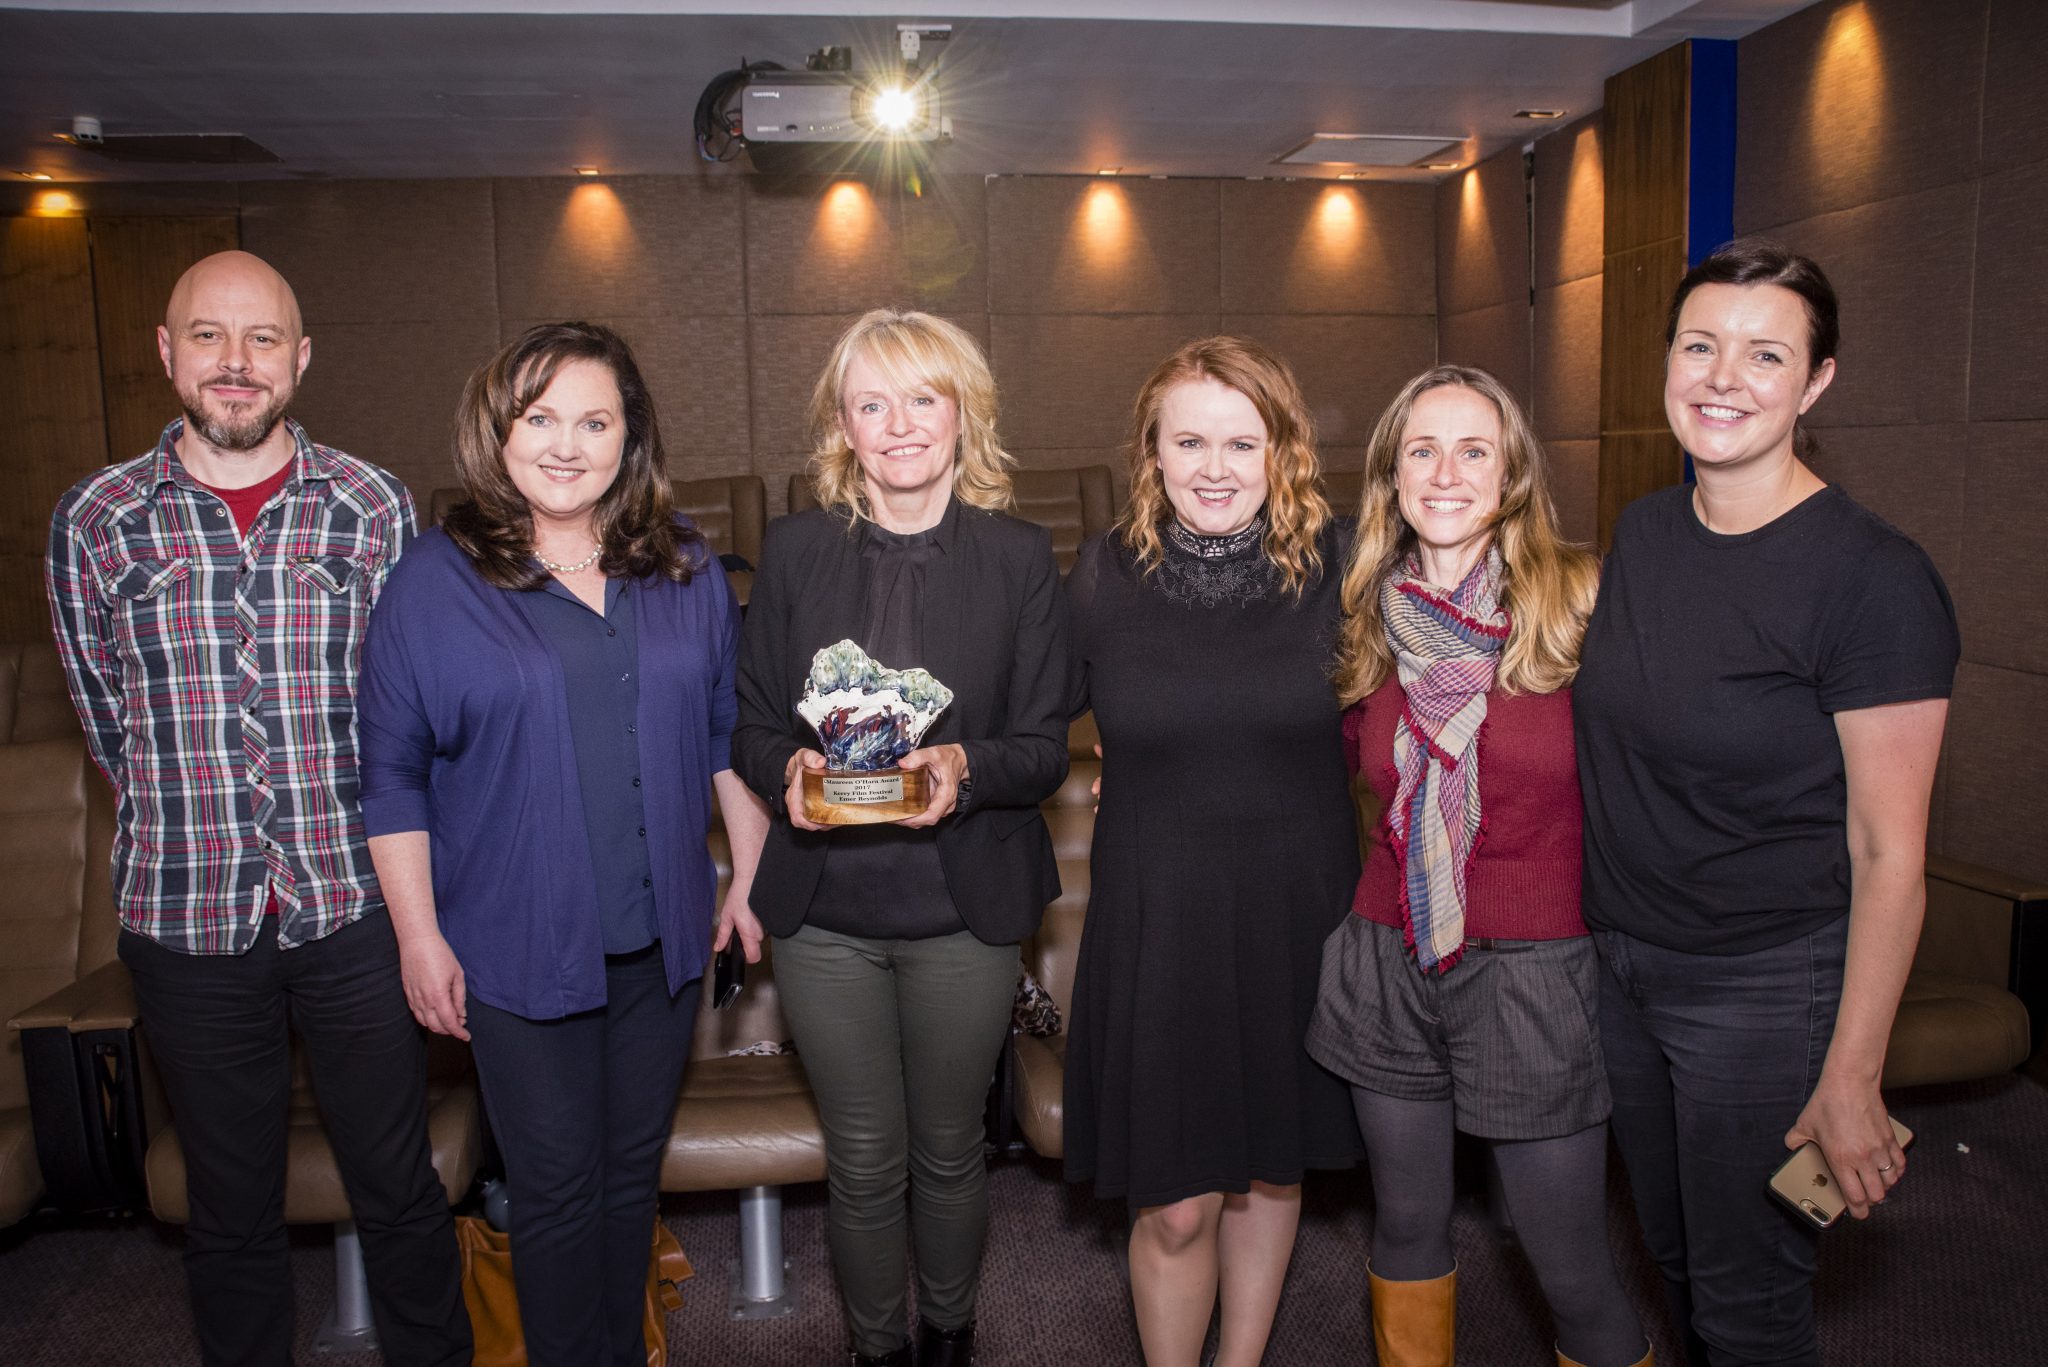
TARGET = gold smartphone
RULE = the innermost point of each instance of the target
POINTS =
(1805, 1183)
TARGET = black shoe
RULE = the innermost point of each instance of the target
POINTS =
(945, 1347)
(899, 1358)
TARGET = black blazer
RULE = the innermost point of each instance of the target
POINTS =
(995, 633)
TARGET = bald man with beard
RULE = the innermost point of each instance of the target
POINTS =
(209, 599)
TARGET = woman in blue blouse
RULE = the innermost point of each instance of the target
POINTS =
(546, 709)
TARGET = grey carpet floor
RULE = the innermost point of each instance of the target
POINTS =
(1952, 1270)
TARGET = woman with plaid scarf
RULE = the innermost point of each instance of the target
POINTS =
(1460, 995)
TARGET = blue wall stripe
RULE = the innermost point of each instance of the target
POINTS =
(1710, 172)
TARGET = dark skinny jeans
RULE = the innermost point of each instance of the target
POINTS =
(1711, 1058)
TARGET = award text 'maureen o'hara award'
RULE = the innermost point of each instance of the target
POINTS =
(867, 719)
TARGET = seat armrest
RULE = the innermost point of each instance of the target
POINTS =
(1996, 882)
(103, 999)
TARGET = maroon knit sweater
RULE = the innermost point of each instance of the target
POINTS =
(1524, 879)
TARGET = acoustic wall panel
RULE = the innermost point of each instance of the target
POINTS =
(1570, 203)
(620, 247)
(2009, 331)
(1846, 101)
(1349, 368)
(1911, 476)
(136, 263)
(2002, 590)
(1566, 385)
(1103, 245)
(1997, 750)
(1068, 380)
(1575, 487)
(2017, 132)
(388, 394)
(1482, 235)
(1901, 268)
(846, 246)
(377, 251)
(1496, 339)
(1324, 247)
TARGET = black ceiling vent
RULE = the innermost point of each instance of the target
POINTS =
(178, 149)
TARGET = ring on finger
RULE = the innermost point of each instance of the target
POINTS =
(1884, 1167)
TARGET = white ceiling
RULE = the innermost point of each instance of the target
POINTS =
(382, 88)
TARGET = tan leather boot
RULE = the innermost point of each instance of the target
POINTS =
(1648, 1359)
(1414, 1323)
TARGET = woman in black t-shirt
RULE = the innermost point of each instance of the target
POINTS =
(1759, 710)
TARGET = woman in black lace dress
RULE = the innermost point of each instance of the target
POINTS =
(1225, 849)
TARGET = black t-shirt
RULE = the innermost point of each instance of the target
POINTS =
(1716, 806)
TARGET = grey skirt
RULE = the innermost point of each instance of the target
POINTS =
(1508, 1035)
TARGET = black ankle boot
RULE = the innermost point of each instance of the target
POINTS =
(899, 1358)
(945, 1347)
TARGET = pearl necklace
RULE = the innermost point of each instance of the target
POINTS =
(585, 563)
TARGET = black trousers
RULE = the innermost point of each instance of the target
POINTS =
(219, 1029)
(581, 1108)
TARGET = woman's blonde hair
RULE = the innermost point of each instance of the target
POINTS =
(1547, 584)
(1296, 511)
(914, 351)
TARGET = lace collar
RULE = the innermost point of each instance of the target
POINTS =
(1226, 547)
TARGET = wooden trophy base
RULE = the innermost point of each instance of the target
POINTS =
(839, 797)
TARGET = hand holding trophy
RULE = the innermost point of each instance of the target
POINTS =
(867, 718)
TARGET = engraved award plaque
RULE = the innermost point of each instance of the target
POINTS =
(867, 718)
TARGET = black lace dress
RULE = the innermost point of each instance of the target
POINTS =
(1225, 851)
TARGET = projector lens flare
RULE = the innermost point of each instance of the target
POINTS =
(892, 109)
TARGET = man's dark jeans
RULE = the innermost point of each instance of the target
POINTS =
(219, 1027)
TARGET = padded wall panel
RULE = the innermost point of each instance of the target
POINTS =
(1570, 203)
(822, 246)
(1643, 152)
(1326, 247)
(1633, 464)
(1901, 268)
(1349, 367)
(1575, 487)
(377, 251)
(1998, 748)
(2013, 88)
(349, 399)
(697, 371)
(136, 263)
(619, 247)
(1495, 339)
(2002, 590)
(1089, 244)
(1854, 98)
(1482, 235)
(1635, 297)
(1911, 476)
(50, 388)
(785, 354)
(1068, 380)
(2009, 343)
(1566, 385)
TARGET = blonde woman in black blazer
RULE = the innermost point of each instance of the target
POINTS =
(897, 944)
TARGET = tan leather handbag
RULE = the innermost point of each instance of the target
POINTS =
(494, 1309)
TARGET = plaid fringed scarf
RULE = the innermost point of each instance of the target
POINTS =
(1446, 647)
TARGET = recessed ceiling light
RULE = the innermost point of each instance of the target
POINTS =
(1539, 113)
(586, 170)
(33, 175)
(1110, 171)
(1440, 166)
(1351, 175)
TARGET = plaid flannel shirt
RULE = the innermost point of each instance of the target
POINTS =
(216, 677)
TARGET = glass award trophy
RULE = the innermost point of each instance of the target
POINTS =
(867, 718)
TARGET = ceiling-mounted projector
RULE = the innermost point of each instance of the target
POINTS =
(827, 117)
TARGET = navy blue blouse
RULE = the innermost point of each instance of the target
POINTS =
(466, 734)
(600, 659)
